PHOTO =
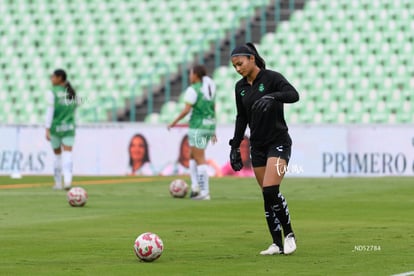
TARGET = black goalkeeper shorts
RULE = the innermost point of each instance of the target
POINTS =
(261, 154)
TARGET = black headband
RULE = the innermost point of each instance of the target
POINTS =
(243, 50)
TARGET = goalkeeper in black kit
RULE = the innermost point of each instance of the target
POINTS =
(260, 96)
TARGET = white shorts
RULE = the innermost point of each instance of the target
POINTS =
(199, 138)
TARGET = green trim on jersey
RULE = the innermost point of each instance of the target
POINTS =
(203, 114)
(63, 124)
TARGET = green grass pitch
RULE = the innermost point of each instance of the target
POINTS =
(345, 226)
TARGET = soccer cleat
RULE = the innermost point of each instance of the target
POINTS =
(67, 187)
(290, 244)
(195, 191)
(272, 250)
(194, 194)
(202, 197)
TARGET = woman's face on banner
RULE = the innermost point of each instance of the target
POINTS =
(137, 149)
(245, 150)
(185, 150)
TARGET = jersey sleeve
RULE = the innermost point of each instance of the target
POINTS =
(285, 92)
(241, 122)
(50, 109)
(50, 98)
(190, 96)
(208, 88)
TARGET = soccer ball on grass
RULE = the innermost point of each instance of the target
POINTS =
(178, 188)
(77, 197)
(148, 247)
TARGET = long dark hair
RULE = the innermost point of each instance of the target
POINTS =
(260, 62)
(248, 50)
(200, 71)
(146, 154)
(71, 93)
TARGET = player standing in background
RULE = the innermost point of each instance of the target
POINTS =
(60, 126)
(200, 99)
(260, 96)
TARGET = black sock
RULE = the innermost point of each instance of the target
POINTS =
(278, 205)
(273, 224)
(274, 227)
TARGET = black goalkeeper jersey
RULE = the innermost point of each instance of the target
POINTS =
(266, 128)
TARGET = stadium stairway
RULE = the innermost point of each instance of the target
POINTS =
(175, 81)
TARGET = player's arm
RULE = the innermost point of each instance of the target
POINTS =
(239, 130)
(284, 93)
(241, 123)
(49, 113)
(190, 98)
(183, 113)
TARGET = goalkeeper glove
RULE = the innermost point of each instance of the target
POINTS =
(263, 104)
(235, 157)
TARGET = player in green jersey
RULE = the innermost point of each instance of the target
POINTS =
(199, 99)
(60, 126)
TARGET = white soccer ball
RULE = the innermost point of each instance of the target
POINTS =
(148, 247)
(77, 197)
(178, 188)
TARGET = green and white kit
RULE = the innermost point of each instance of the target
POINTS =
(62, 124)
(202, 125)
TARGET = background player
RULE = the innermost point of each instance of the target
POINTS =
(200, 99)
(260, 96)
(60, 126)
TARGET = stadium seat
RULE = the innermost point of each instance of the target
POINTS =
(337, 53)
(350, 60)
(105, 46)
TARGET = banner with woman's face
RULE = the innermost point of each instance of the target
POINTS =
(115, 149)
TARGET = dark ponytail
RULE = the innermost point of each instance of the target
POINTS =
(200, 71)
(70, 92)
(259, 60)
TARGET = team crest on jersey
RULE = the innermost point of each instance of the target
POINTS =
(243, 92)
(261, 87)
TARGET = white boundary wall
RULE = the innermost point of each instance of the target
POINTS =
(318, 150)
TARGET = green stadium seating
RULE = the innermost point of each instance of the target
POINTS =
(105, 46)
(350, 60)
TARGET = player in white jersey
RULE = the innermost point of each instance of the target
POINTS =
(200, 100)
